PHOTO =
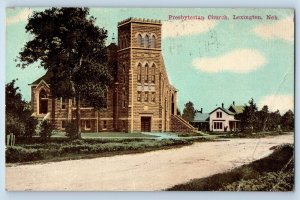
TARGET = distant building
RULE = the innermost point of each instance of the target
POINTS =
(236, 109)
(201, 121)
(141, 99)
(218, 120)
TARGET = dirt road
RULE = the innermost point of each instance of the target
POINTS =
(150, 171)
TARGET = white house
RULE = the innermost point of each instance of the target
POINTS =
(222, 120)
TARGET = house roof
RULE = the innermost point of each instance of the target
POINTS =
(201, 117)
(46, 78)
(224, 109)
(237, 109)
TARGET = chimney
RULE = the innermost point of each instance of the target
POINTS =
(222, 105)
(233, 103)
(201, 110)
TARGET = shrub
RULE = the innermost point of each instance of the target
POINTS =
(46, 130)
(71, 130)
(20, 154)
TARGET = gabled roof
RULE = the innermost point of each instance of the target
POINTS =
(201, 117)
(45, 78)
(237, 109)
(224, 109)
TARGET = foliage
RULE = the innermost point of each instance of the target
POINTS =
(248, 117)
(67, 43)
(257, 175)
(264, 120)
(287, 121)
(46, 129)
(262, 117)
(271, 181)
(83, 148)
(71, 130)
(18, 119)
(188, 113)
(20, 154)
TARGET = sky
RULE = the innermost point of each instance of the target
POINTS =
(210, 62)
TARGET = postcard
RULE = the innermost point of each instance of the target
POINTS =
(149, 99)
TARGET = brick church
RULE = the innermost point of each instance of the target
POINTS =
(141, 98)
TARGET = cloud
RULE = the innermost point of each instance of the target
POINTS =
(237, 61)
(20, 17)
(282, 29)
(178, 28)
(282, 102)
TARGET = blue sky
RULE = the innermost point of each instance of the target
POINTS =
(208, 61)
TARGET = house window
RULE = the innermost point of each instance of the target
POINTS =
(219, 114)
(64, 102)
(218, 125)
(146, 96)
(104, 125)
(123, 99)
(87, 125)
(153, 74)
(153, 41)
(153, 97)
(63, 124)
(43, 102)
(146, 72)
(146, 41)
(139, 96)
(139, 72)
(140, 40)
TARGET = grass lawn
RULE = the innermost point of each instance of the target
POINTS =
(272, 173)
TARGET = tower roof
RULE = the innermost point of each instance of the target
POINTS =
(139, 20)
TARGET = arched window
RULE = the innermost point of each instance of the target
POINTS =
(43, 102)
(153, 41)
(153, 74)
(146, 72)
(124, 74)
(140, 40)
(139, 72)
(146, 41)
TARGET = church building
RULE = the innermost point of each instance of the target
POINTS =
(141, 98)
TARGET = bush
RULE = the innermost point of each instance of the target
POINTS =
(71, 130)
(46, 130)
(20, 154)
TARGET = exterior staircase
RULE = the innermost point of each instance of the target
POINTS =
(180, 125)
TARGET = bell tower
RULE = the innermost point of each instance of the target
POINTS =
(139, 69)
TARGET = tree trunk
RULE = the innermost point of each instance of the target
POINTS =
(78, 121)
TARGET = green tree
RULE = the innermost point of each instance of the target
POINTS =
(262, 117)
(67, 43)
(275, 119)
(248, 117)
(287, 121)
(18, 119)
(188, 112)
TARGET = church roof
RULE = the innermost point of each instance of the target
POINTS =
(45, 78)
